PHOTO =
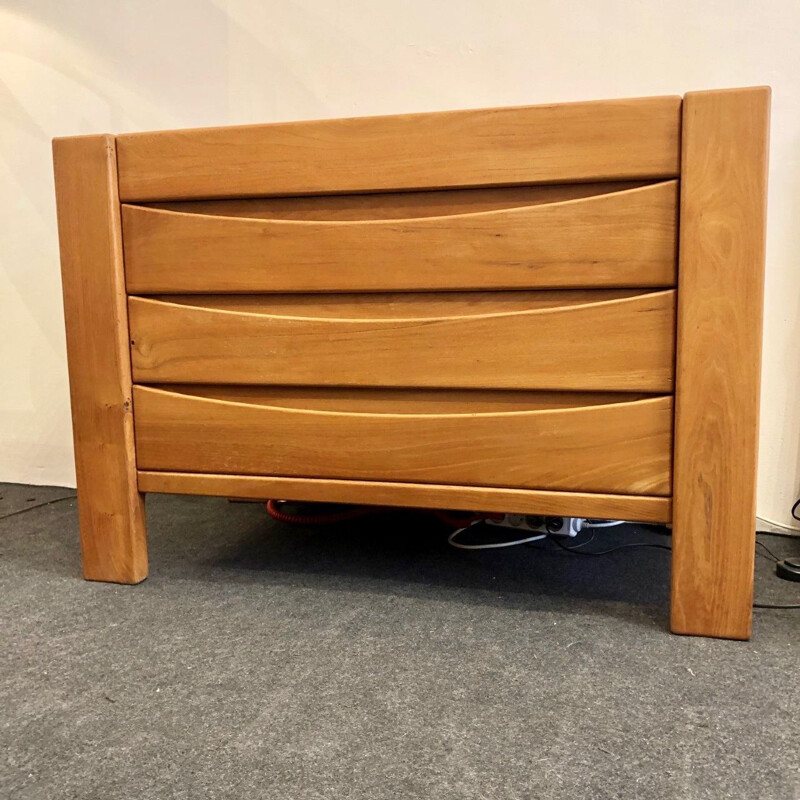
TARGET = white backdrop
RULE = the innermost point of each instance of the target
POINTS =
(89, 66)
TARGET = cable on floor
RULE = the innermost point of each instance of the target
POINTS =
(38, 505)
(451, 539)
(463, 522)
(771, 554)
(614, 549)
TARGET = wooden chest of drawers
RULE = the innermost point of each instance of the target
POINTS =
(489, 310)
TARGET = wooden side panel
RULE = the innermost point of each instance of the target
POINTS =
(110, 507)
(638, 508)
(626, 238)
(616, 345)
(181, 432)
(571, 142)
(725, 141)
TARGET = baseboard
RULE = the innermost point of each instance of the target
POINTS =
(765, 525)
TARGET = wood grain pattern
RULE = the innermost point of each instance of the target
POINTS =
(624, 344)
(395, 205)
(623, 239)
(565, 143)
(180, 432)
(110, 507)
(413, 495)
(725, 140)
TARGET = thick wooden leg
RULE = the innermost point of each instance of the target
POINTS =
(720, 301)
(110, 507)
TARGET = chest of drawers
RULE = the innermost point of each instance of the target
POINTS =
(548, 309)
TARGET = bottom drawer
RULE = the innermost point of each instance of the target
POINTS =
(561, 441)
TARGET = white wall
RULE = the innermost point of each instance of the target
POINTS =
(88, 66)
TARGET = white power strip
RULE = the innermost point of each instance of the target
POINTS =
(557, 526)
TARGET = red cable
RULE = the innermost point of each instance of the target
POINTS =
(320, 519)
(449, 518)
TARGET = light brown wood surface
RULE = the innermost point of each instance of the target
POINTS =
(564, 143)
(724, 174)
(110, 508)
(541, 449)
(624, 344)
(625, 238)
(395, 205)
(413, 495)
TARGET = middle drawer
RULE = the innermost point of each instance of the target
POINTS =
(614, 340)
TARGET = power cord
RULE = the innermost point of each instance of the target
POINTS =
(771, 554)
(603, 523)
(38, 505)
(576, 550)
(451, 539)
(276, 513)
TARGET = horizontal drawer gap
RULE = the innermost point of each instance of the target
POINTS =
(398, 305)
(401, 401)
(395, 205)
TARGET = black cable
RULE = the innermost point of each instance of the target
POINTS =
(38, 505)
(588, 541)
(574, 550)
(610, 550)
(786, 536)
(772, 555)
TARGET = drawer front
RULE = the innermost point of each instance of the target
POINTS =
(592, 340)
(577, 443)
(612, 239)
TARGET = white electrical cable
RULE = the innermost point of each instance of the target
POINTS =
(607, 524)
(493, 546)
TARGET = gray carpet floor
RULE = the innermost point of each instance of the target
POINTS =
(371, 660)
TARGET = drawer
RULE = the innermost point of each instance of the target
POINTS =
(573, 442)
(607, 239)
(617, 340)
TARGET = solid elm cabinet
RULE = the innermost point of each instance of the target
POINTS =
(546, 309)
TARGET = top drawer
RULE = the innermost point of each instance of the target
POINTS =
(623, 238)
